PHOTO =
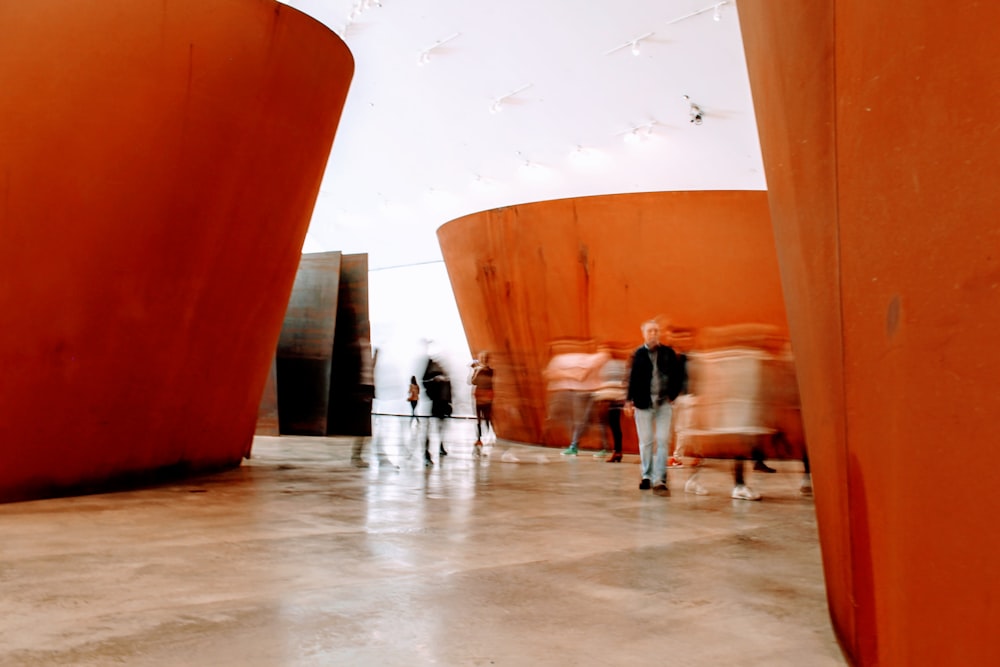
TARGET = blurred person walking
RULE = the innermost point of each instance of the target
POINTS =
(413, 396)
(681, 340)
(365, 396)
(437, 386)
(609, 399)
(481, 379)
(572, 378)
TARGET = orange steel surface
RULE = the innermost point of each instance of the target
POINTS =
(592, 269)
(880, 145)
(267, 411)
(160, 162)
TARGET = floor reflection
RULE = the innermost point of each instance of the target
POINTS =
(300, 558)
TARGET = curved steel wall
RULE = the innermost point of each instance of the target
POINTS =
(596, 268)
(159, 165)
(880, 145)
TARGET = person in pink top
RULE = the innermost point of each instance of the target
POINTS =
(572, 378)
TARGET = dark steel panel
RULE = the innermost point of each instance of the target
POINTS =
(305, 348)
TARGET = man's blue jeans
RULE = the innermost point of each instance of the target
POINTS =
(653, 426)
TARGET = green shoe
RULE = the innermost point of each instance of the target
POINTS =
(570, 451)
(601, 454)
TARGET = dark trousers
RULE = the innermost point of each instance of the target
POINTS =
(608, 415)
(484, 414)
(614, 421)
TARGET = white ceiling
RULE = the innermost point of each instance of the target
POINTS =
(418, 145)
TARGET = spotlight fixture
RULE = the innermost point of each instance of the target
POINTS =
(497, 105)
(360, 7)
(633, 44)
(534, 171)
(586, 158)
(637, 133)
(424, 56)
(482, 183)
(694, 111)
(716, 10)
(530, 167)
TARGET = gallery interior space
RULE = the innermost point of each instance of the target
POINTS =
(232, 231)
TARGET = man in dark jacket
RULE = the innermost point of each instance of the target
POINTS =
(655, 380)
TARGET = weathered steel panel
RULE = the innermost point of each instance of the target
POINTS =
(305, 349)
(880, 145)
(159, 162)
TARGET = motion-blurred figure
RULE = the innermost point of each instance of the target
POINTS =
(681, 340)
(609, 399)
(732, 412)
(367, 395)
(437, 386)
(481, 379)
(743, 405)
(572, 378)
(413, 396)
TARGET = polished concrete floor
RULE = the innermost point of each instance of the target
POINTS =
(299, 558)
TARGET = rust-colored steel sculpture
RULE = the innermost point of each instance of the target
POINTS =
(159, 162)
(880, 145)
(535, 279)
(267, 411)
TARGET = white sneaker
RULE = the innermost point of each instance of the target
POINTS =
(508, 457)
(744, 492)
(806, 487)
(692, 486)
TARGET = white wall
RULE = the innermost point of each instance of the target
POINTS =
(410, 305)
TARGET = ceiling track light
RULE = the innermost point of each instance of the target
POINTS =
(424, 57)
(527, 164)
(360, 7)
(632, 44)
(585, 157)
(497, 105)
(716, 10)
(637, 133)
(533, 171)
(694, 111)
